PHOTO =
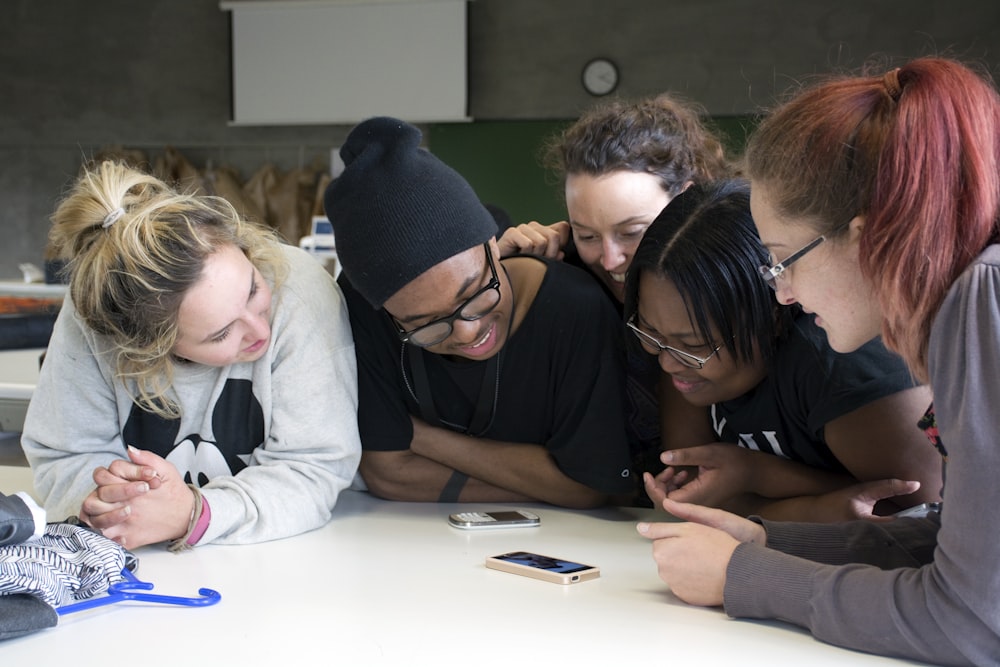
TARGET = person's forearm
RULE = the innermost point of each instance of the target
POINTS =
(809, 508)
(415, 478)
(524, 469)
(777, 478)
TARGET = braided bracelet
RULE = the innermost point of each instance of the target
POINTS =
(201, 514)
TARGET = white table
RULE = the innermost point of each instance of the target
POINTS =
(388, 583)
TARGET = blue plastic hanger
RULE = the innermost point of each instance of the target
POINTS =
(126, 590)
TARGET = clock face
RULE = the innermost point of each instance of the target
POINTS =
(600, 76)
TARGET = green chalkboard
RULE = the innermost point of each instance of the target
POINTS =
(501, 160)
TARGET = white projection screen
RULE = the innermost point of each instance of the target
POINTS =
(341, 61)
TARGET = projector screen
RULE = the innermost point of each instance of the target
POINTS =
(342, 61)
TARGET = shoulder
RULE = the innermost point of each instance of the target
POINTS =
(571, 284)
(807, 339)
(978, 283)
(70, 332)
(570, 298)
(305, 273)
(571, 306)
(308, 296)
(804, 345)
(307, 280)
(372, 329)
(970, 308)
(357, 305)
(807, 365)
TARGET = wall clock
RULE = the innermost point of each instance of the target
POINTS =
(600, 76)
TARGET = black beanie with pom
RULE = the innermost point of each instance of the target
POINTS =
(397, 210)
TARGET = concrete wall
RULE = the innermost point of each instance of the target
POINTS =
(78, 76)
(730, 55)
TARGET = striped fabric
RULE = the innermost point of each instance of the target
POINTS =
(68, 563)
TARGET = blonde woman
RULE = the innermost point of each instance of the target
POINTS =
(200, 382)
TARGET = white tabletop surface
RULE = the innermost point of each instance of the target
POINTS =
(387, 583)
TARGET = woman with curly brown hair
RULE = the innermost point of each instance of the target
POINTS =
(620, 164)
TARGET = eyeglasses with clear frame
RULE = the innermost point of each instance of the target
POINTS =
(772, 273)
(476, 307)
(656, 347)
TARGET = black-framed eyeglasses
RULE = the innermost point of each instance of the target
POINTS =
(772, 273)
(654, 346)
(476, 307)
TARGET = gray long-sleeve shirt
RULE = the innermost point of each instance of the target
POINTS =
(892, 589)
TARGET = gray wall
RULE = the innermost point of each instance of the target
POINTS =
(78, 76)
(730, 55)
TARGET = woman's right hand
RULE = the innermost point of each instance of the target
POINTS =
(139, 501)
(692, 557)
(534, 238)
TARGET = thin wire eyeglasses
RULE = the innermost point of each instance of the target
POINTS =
(771, 274)
(476, 307)
(651, 343)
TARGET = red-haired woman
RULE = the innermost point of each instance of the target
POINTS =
(878, 198)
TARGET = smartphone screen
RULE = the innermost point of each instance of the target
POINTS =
(546, 568)
(542, 562)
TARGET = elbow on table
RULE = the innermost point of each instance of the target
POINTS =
(386, 479)
(587, 500)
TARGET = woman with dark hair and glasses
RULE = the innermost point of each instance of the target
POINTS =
(821, 436)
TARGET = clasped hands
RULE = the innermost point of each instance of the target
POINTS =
(138, 501)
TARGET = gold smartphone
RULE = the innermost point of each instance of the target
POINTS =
(546, 568)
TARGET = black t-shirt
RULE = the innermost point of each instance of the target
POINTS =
(642, 389)
(809, 385)
(559, 386)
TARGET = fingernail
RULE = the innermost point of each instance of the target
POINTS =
(127, 510)
(132, 449)
(643, 527)
(143, 487)
(667, 457)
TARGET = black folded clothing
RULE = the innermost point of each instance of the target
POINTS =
(24, 614)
